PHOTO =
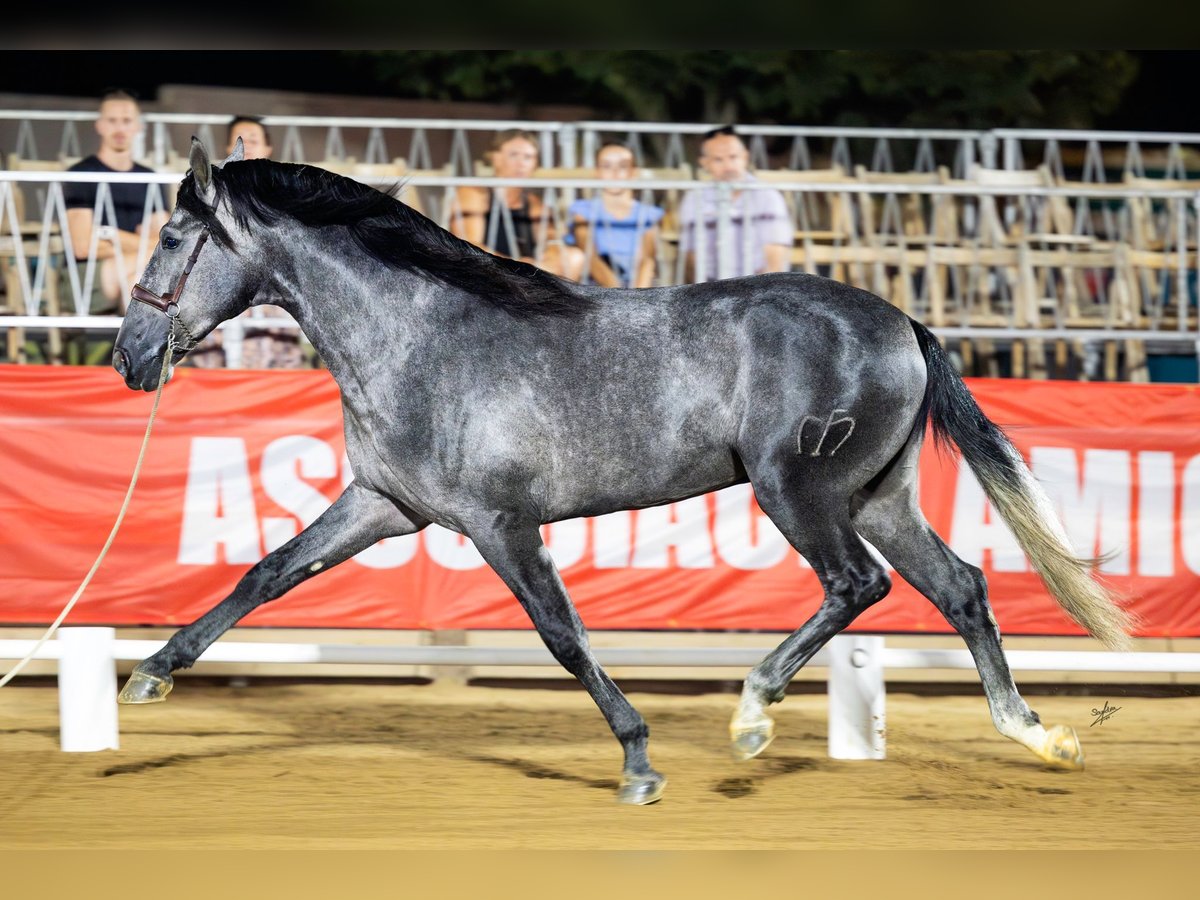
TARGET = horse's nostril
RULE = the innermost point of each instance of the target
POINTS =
(120, 363)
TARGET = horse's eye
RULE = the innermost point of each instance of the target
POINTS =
(170, 243)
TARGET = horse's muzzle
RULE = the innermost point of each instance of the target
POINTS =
(140, 372)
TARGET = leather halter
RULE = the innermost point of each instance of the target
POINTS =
(169, 302)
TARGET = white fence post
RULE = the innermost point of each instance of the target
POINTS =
(87, 690)
(857, 697)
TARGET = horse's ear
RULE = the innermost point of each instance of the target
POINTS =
(239, 152)
(202, 170)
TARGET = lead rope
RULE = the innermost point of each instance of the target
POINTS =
(137, 469)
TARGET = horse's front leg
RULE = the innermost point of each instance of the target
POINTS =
(358, 519)
(514, 549)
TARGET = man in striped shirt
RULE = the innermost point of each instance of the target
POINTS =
(728, 246)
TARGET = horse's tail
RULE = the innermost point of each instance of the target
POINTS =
(955, 416)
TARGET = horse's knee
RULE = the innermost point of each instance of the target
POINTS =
(272, 579)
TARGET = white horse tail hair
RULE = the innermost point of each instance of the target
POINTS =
(1018, 497)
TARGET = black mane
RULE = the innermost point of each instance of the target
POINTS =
(388, 230)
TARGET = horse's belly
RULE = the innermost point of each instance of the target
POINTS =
(596, 490)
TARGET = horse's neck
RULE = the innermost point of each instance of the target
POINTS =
(354, 310)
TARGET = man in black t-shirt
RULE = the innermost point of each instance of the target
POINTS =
(118, 125)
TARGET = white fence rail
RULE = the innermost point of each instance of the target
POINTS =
(433, 142)
(987, 257)
(372, 140)
(856, 664)
(805, 146)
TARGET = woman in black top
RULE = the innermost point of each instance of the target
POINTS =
(478, 217)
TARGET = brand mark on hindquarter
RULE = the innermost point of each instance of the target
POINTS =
(824, 436)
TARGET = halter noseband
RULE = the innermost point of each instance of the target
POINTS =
(169, 302)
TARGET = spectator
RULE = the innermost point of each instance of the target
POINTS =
(618, 233)
(475, 216)
(256, 143)
(118, 125)
(262, 347)
(769, 240)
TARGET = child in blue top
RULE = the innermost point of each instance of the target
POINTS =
(617, 233)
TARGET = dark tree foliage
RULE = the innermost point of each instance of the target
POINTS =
(930, 88)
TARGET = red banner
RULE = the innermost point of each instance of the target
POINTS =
(239, 461)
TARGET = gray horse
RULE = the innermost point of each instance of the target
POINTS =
(489, 397)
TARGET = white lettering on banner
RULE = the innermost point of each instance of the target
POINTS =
(1156, 513)
(1189, 518)
(450, 549)
(286, 463)
(682, 525)
(976, 526)
(566, 541)
(612, 535)
(390, 553)
(218, 504)
(736, 524)
(1095, 507)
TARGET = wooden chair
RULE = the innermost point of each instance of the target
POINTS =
(1074, 251)
(908, 221)
(823, 219)
(1042, 230)
(976, 257)
(913, 216)
(20, 164)
(1086, 297)
(681, 172)
(1144, 257)
(1157, 228)
(175, 163)
(551, 172)
(397, 168)
(1028, 218)
(1160, 235)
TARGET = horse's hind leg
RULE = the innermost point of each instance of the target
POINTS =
(853, 580)
(514, 549)
(891, 519)
(355, 521)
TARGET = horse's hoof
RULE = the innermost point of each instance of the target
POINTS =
(752, 739)
(144, 688)
(640, 790)
(1062, 750)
